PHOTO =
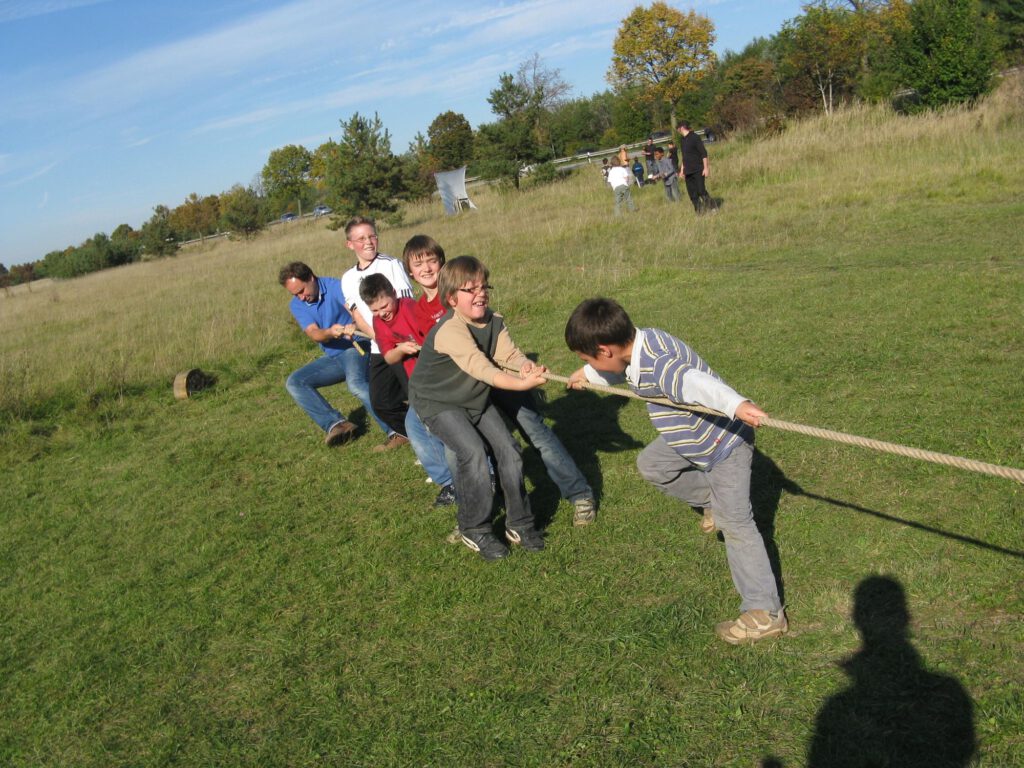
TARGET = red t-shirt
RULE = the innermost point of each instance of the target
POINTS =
(429, 312)
(404, 326)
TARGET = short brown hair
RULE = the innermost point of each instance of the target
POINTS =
(297, 269)
(595, 322)
(422, 245)
(461, 269)
(374, 286)
(356, 221)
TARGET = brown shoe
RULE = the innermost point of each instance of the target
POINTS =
(394, 440)
(340, 433)
(753, 626)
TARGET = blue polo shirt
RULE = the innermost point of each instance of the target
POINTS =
(328, 309)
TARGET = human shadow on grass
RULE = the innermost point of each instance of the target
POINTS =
(895, 711)
(585, 423)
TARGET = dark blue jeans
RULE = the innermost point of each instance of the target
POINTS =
(469, 441)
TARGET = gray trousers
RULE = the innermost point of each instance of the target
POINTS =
(469, 441)
(725, 488)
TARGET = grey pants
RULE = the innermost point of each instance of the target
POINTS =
(469, 441)
(725, 488)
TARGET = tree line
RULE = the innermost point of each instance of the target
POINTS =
(921, 54)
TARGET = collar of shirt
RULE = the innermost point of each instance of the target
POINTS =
(633, 369)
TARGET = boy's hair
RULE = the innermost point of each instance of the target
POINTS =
(659, 151)
(615, 163)
(374, 286)
(356, 221)
(422, 245)
(684, 124)
(297, 269)
(598, 321)
(461, 269)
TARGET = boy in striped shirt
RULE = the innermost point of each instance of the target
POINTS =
(702, 460)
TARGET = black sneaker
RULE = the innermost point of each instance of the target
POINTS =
(446, 497)
(529, 539)
(486, 543)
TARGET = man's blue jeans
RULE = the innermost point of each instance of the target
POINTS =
(350, 367)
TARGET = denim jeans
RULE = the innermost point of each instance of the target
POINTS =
(725, 488)
(522, 408)
(428, 449)
(350, 367)
(470, 440)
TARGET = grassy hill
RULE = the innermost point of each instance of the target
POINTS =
(203, 583)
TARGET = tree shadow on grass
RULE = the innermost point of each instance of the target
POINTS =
(895, 711)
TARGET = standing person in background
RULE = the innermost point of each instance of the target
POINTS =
(665, 171)
(638, 171)
(623, 156)
(649, 158)
(696, 169)
(673, 153)
(618, 180)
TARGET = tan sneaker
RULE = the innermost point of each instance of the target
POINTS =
(340, 433)
(707, 523)
(752, 626)
(584, 512)
(394, 440)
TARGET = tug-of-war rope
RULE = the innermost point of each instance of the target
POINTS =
(1008, 473)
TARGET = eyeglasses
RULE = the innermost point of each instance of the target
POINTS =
(479, 290)
(364, 239)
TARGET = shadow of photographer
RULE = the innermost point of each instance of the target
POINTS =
(895, 712)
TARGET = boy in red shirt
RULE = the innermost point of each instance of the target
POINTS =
(399, 337)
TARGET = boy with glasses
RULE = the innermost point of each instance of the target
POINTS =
(386, 391)
(461, 360)
(423, 257)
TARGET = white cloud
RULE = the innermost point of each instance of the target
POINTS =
(33, 175)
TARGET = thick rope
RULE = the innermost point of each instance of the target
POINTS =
(1007, 473)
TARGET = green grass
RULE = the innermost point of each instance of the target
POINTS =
(202, 583)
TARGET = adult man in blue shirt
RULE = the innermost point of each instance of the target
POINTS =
(319, 308)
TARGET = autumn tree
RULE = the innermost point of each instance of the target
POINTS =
(825, 45)
(286, 175)
(197, 216)
(663, 53)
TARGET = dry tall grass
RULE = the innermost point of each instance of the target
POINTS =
(824, 183)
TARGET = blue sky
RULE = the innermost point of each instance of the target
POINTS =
(110, 107)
